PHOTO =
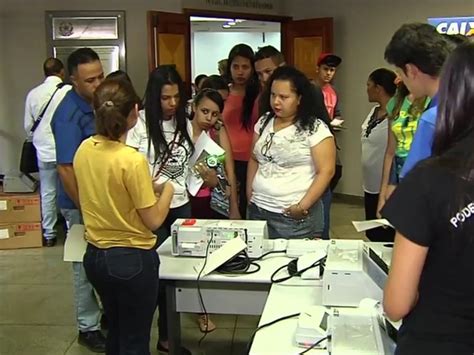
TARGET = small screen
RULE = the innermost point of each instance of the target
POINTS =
(324, 322)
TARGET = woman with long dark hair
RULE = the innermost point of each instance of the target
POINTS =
(431, 279)
(293, 159)
(241, 112)
(207, 108)
(162, 134)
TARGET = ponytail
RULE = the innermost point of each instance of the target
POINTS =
(113, 102)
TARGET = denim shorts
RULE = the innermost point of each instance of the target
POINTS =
(282, 226)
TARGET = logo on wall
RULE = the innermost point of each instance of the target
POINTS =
(66, 29)
(453, 25)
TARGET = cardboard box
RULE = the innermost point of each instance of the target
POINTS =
(19, 208)
(20, 235)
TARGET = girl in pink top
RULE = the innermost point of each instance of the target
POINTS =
(241, 112)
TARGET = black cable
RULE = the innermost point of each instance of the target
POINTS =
(314, 345)
(292, 270)
(239, 264)
(267, 325)
(201, 300)
(268, 253)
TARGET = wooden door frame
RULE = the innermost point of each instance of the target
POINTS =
(151, 52)
(239, 15)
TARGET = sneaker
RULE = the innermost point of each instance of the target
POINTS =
(49, 242)
(94, 341)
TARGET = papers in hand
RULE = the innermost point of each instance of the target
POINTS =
(75, 245)
(362, 226)
(337, 123)
(204, 146)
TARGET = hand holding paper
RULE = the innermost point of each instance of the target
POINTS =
(204, 146)
(362, 226)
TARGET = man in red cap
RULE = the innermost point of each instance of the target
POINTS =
(325, 71)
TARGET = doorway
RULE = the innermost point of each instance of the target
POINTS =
(169, 39)
(212, 38)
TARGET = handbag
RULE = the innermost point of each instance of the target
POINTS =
(221, 193)
(29, 160)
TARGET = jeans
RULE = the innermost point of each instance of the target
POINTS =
(87, 308)
(282, 226)
(327, 199)
(48, 180)
(162, 233)
(127, 282)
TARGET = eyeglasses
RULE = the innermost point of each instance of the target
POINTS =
(266, 146)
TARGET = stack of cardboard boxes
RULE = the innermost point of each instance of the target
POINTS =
(20, 221)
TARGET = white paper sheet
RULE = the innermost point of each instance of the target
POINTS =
(75, 245)
(4, 233)
(336, 122)
(220, 256)
(203, 144)
(362, 226)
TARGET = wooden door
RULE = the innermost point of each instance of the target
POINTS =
(169, 42)
(304, 40)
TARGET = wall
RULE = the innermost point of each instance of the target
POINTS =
(206, 54)
(361, 33)
(23, 49)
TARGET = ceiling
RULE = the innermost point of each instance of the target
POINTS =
(209, 24)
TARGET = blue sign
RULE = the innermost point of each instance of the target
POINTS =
(453, 25)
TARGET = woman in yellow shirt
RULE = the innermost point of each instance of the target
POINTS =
(120, 208)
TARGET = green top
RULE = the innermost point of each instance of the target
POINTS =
(404, 125)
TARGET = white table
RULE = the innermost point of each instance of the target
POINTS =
(251, 294)
(279, 338)
(222, 294)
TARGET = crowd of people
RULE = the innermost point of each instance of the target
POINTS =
(122, 165)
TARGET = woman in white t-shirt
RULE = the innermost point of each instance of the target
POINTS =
(162, 134)
(380, 89)
(293, 159)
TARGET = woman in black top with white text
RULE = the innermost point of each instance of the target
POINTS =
(431, 279)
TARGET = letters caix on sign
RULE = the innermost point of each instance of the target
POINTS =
(453, 25)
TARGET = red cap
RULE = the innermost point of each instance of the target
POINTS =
(329, 59)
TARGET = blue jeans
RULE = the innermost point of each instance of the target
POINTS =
(127, 282)
(281, 226)
(48, 180)
(87, 308)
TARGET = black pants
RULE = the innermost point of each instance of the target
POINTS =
(377, 234)
(126, 280)
(241, 176)
(163, 233)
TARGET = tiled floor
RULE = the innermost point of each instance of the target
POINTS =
(37, 314)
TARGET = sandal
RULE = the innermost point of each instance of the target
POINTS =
(205, 324)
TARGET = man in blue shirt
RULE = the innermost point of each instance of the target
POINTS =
(418, 51)
(73, 121)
